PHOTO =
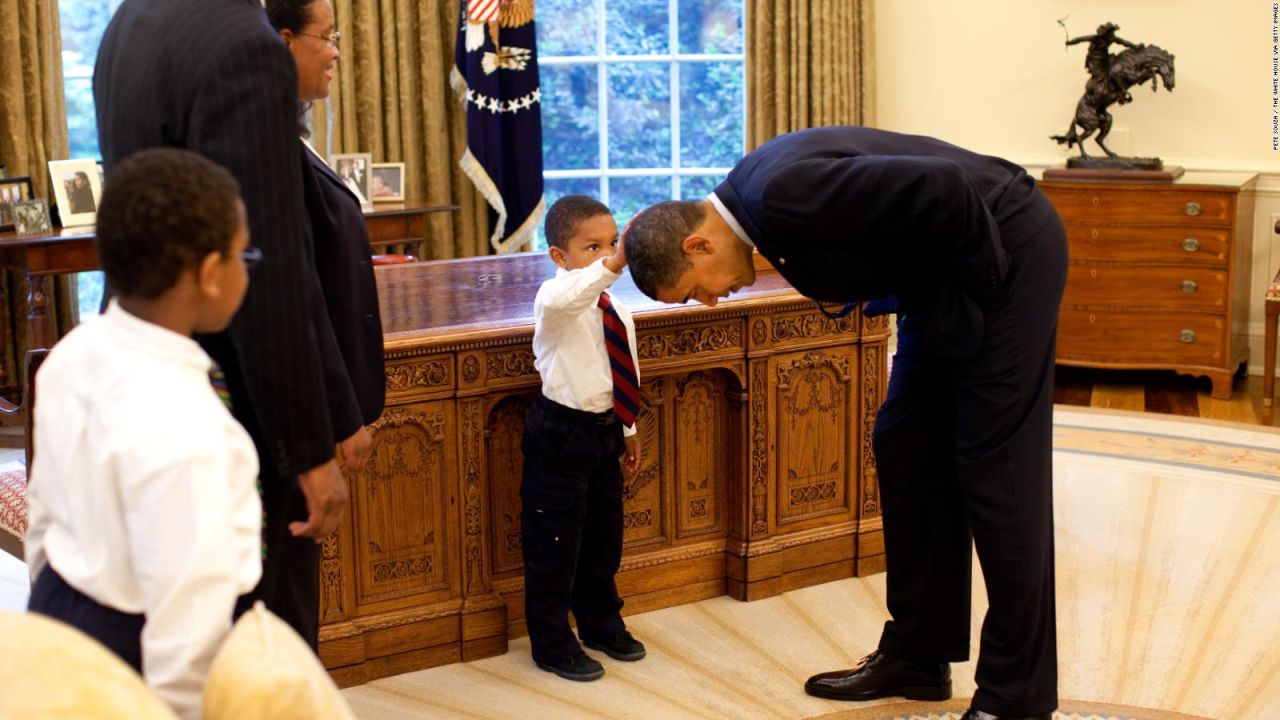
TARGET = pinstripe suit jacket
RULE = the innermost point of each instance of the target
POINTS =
(211, 76)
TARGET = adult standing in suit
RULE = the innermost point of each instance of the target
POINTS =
(354, 372)
(976, 258)
(211, 76)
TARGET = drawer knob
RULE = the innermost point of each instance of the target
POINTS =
(1189, 286)
(1191, 244)
(1192, 209)
(1187, 336)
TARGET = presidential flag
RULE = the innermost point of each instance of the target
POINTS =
(496, 76)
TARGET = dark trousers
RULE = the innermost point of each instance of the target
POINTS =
(570, 527)
(290, 584)
(120, 632)
(964, 453)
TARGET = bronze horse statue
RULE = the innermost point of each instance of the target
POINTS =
(1133, 66)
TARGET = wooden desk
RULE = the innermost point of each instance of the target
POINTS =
(757, 474)
(400, 223)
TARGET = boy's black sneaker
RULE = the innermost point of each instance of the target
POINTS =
(619, 647)
(581, 667)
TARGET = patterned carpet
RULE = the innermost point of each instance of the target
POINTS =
(1070, 710)
(1168, 537)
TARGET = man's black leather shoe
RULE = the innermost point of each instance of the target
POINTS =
(581, 667)
(979, 715)
(880, 675)
(619, 647)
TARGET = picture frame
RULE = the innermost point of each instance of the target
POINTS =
(13, 190)
(353, 168)
(77, 190)
(31, 217)
(386, 182)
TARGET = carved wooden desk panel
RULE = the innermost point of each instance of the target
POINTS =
(756, 474)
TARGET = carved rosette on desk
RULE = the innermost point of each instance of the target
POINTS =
(756, 476)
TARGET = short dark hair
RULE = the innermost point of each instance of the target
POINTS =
(289, 14)
(163, 211)
(653, 243)
(566, 214)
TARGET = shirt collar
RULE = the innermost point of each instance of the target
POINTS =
(729, 219)
(154, 340)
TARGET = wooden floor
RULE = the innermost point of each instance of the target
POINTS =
(1163, 392)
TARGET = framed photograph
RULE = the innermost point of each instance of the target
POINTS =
(353, 168)
(386, 182)
(77, 190)
(12, 191)
(31, 217)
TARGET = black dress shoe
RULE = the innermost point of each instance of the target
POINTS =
(879, 675)
(619, 647)
(979, 715)
(581, 667)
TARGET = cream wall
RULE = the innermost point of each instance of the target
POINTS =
(994, 76)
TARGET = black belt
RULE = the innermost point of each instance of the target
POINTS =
(607, 417)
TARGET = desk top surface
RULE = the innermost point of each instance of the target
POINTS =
(441, 298)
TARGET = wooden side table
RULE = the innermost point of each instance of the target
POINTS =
(1159, 274)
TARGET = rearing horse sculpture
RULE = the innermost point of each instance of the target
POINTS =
(1110, 77)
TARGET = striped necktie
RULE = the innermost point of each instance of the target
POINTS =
(626, 393)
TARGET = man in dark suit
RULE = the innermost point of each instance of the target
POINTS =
(976, 258)
(211, 76)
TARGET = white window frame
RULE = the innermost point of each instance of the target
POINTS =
(674, 58)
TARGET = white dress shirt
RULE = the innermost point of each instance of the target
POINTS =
(143, 492)
(729, 219)
(568, 339)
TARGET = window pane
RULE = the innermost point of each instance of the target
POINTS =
(89, 293)
(82, 125)
(554, 189)
(710, 26)
(566, 27)
(639, 115)
(570, 117)
(711, 114)
(630, 195)
(636, 27)
(697, 187)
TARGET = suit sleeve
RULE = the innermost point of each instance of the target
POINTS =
(891, 215)
(245, 118)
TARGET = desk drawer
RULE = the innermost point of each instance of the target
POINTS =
(1138, 339)
(1134, 286)
(1126, 243)
(1184, 206)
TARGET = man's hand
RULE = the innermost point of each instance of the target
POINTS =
(327, 498)
(353, 452)
(631, 454)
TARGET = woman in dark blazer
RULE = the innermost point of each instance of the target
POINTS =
(353, 362)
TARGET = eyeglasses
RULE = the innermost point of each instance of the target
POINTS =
(332, 38)
(251, 257)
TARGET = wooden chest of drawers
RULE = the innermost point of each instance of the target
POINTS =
(1159, 274)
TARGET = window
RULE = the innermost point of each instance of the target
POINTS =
(83, 23)
(643, 100)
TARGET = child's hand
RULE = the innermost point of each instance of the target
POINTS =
(618, 260)
(631, 455)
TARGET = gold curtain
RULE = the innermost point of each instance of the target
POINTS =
(33, 130)
(391, 97)
(810, 63)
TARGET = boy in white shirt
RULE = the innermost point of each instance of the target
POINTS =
(574, 436)
(145, 515)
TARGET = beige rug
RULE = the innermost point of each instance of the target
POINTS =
(1168, 538)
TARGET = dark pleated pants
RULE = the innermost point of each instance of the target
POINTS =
(964, 453)
(570, 527)
(120, 632)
